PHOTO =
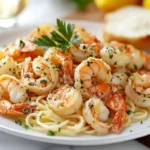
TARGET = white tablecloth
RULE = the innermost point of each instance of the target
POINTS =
(44, 11)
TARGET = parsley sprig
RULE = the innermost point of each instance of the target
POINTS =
(63, 38)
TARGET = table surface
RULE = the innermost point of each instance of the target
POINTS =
(45, 11)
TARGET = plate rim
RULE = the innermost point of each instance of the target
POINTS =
(65, 140)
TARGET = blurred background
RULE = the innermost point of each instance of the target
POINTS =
(27, 12)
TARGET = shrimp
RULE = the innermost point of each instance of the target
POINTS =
(36, 33)
(123, 55)
(12, 97)
(118, 81)
(65, 100)
(92, 77)
(146, 68)
(20, 50)
(39, 76)
(138, 89)
(116, 103)
(8, 66)
(115, 56)
(63, 61)
(96, 114)
(90, 46)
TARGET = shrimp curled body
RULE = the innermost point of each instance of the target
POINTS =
(65, 100)
(39, 76)
(138, 89)
(12, 97)
(92, 77)
(96, 113)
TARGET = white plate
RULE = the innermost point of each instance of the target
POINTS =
(136, 130)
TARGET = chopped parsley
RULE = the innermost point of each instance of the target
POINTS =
(81, 81)
(21, 44)
(110, 56)
(59, 129)
(60, 67)
(91, 105)
(38, 29)
(120, 49)
(51, 133)
(58, 122)
(135, 67)
(26, 111)
(115, 63)
(19, 122)
(43, 81)
(27, 91)
(25, 126)
(89, 63)
(129, 112)
(131, 130)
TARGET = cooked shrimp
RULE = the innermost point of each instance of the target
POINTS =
(63, 61)
(123, 55)
(90, 46)
(138, 89)
(13, 96)
(20, 50)
(96, 114)
(115, 56)
(116, 103)
(118, 81)
(92, 77)
(146, 68)
(8, 66)
(36, 33)
(65, 100)
(39, 76)
(137, 59)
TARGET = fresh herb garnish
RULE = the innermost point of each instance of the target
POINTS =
(62, 38)
(51, 133)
